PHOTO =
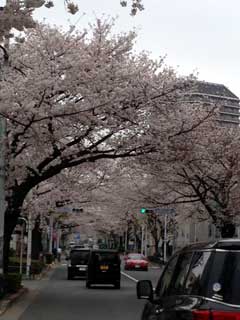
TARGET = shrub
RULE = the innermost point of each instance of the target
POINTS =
(49, 258)
(37, 266)
(13, 282)
(2, 286)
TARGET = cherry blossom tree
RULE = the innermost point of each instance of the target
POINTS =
(18, 14)
(201, 176)
(70, 100)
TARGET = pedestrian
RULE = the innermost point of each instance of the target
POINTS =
(59, 253)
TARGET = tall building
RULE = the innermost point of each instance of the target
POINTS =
(220, 95)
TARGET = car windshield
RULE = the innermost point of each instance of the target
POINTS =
(135, 257)
(79, 257)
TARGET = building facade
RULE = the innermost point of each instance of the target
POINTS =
(219, 95)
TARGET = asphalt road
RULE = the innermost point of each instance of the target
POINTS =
(62, 299)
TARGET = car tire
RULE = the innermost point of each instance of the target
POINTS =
(88, 284)
(117, 285)
(70, 277)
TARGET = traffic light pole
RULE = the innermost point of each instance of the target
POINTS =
(142, 240)
(165, 239)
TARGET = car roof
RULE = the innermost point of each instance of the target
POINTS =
(135, 254)
(105, 251)
(224, 244)
(80, 249)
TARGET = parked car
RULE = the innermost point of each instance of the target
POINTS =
(200, 282)
(104, 267)
(77, 263)
(136, 261)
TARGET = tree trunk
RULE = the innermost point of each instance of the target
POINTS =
(9, 226)
(228, 230)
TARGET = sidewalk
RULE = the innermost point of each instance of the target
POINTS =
(29, 287)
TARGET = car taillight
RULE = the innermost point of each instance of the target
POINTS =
(201, 315)
(215, 315)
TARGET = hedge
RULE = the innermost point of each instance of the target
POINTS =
(13, 282)
(36, 265)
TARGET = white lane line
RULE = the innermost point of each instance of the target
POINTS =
(128, 276)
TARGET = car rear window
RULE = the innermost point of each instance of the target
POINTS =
(135, 256)
(79, 257)
(215, 275)
(106, 257)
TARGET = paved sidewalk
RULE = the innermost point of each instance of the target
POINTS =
(18, 302)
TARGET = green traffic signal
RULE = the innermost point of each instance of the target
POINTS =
(143, 210)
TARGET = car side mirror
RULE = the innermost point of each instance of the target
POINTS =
(145, 290)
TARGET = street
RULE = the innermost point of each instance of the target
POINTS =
(61, 299)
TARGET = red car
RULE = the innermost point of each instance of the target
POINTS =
(136, 261)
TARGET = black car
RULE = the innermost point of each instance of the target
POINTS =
(200, 282)
(104, 267)
(77, 263)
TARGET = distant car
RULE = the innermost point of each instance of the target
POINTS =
(200, 282)
(78, 246)
(104, 267)
(77, 263)
(136, 261)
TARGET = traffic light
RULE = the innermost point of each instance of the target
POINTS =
(146, 210)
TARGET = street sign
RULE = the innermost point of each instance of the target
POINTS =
(77, 236)
(164, 210)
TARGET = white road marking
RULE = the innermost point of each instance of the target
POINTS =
(128, 276)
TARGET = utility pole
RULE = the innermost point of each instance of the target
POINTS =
(142, 240)
(22, 243)
(146, 242)
(29, 245)
(165, 239)
(2, 190)
(51, 233)
(4, 49)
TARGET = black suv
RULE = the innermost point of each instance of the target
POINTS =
(104, 267)
(77, 263)
(200, 282)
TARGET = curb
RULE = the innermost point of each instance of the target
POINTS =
(9, 300)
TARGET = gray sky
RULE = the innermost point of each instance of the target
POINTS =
(200, 36)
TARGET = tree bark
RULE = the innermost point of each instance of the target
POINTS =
(9, 226)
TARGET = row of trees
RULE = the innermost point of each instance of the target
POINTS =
(76, 99)
(85, 100)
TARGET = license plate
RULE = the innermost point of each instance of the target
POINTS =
(103, 268)
(82, 269)
(137, 266)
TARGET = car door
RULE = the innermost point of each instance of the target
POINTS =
(169, 289)
(152, 308)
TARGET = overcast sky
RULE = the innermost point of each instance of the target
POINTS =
(196, 35)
